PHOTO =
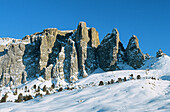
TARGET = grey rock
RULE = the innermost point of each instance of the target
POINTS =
(86, 42)
(47, 75)
(11, 64)
(160, 53)
(24, 77)
(135, 57)
(58, 70)
(47, 43)
(71, 62)
(108, 51)
(65, 55)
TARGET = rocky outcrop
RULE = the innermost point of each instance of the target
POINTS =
(86, 39)
(65, 55)
(11, 65)
(47, 43)
(71, 61)
(135, 57)
(160, 53)
(47, 74)
(58, 70)
(109, 50)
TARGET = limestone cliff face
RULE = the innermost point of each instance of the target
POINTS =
(86, 41)
(64, 55)
(135, 57)
(109, 50)
(11, 65)
(54, 54)
(46, 45)
(71, 62)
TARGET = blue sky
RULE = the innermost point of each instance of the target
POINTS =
(149, 20)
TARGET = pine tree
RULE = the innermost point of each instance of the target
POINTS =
(101, 83)
(26, 88)
(38, 90)
(20, 98)
(60, 89)
(138, 77)
(44, 88)
(124, 79)
(34, 86)
(112, 81)
(4, 99)
(53, 86)
(16, 91)
(47, 92)
(119, 80)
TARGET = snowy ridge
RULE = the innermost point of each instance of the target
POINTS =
(131, 96)
(144, 94)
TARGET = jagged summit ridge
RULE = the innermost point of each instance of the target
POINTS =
(134, 53)
(65, 55)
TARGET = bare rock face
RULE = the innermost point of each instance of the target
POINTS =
(11, 65)
(108, 51)
(24, 77)
(47, 43)
(134, 54)
(58, 70)
(86, 42)
(47, 75)
(94, 38)
(71, 62)
(65, 55)
(160, 53)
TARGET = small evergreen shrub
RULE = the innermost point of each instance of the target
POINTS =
(16, 92)
(4, 98)
(41, 95)
(53, 86)
(138, 77)
(119, 80)
(131, 75)
(20, 98)
(26, 98)
(34, 86)
(38, 90)
(25, 87)
(112, 81)
(44, 88)
(47, 92)
(153, 78)
(101, 83)
(37, 94)
(124, 79)
(60, 89)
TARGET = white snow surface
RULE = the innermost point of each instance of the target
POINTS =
(130, 96)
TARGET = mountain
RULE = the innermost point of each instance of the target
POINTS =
(71, 70)
(65, 55)
(144, 94)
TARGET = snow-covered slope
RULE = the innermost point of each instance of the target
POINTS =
(145, 94)
(135, 95)
(161, 63)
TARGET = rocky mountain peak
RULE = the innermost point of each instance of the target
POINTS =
(115, 32)
(108, 51)
(66, 55)
(160, 53)
(134, 54)
(82, 25)
(133, 42)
